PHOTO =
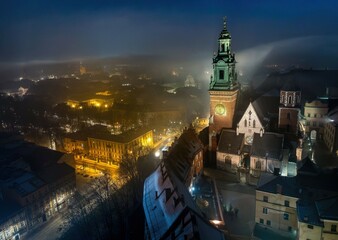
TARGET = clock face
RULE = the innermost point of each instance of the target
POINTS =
(220, 109)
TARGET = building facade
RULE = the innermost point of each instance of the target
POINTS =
(229, 150)
(315, 117)
(104, 147)
(249, 124)
(300, 207)
(266, 153)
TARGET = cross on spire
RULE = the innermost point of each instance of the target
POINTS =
(224, 22)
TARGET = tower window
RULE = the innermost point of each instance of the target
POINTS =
(222, 47)
(221, 74)
(290, 100)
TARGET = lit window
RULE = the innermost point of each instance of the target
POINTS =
(265, 210)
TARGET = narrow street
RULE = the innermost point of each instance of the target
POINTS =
(50, 230)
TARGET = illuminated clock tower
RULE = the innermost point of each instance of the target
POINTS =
(223, 87)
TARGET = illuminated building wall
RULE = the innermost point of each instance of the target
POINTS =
(31, 196)
(72, 145)
(229, 150)
(112, 151)
(249, 124)
(100, 103)
(266, 153)
(330, 136)
(277, 211)
(13, 226)
(314, 114)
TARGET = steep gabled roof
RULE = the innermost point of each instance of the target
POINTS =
(169, 208)
(183, 152)
(268, 145)
(230, 142)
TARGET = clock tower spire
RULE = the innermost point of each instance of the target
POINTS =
(223, 89)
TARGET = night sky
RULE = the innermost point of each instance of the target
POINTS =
(63, 29)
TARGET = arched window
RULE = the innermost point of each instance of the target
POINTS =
(290, 100)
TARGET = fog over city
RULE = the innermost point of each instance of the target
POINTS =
(129, 119)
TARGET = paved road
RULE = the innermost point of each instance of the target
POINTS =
(49, 230)
(236, 195)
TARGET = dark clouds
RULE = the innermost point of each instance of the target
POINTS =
(37, 30)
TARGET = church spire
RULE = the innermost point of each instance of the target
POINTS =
(224, 23)
(225, 76)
